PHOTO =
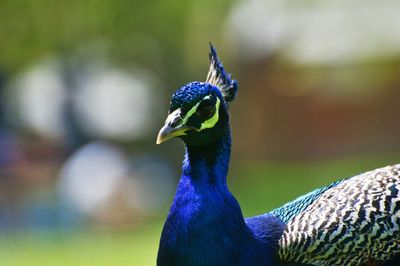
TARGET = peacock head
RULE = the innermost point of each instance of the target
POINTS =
(198, 111)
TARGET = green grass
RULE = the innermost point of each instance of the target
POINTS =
(259, 187)
(127, 247)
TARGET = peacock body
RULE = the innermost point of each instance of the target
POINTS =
(350, 222)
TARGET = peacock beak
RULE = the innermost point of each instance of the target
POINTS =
(174, 127)
(167, 132)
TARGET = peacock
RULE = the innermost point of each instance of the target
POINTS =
(354, 221)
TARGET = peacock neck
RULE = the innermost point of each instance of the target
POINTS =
(203, 183)
(207, 165)
(205, 225)
(202, 187)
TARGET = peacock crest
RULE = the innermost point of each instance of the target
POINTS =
(218, 77)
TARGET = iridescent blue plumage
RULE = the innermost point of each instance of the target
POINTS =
(355, 221)
(293, 208)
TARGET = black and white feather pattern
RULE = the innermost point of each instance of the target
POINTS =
(356, 222)
(220, 78)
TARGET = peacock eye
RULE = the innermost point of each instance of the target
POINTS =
(206, 112)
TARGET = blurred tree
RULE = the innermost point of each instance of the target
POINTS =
(152, 33)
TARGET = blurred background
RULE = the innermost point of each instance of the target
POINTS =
(85, 86)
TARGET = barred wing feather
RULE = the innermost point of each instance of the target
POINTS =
(353, 223)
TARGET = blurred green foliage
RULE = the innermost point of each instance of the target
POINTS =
(152, 33)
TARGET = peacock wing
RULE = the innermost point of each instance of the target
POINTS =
(354, 222)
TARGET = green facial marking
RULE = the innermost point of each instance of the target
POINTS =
(214, 119)
(209, 123)
(190, 113)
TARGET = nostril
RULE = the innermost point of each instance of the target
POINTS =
(176, 122)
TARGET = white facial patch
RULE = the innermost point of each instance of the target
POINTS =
(173, 116)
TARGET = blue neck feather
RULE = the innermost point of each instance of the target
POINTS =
(205, 225)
